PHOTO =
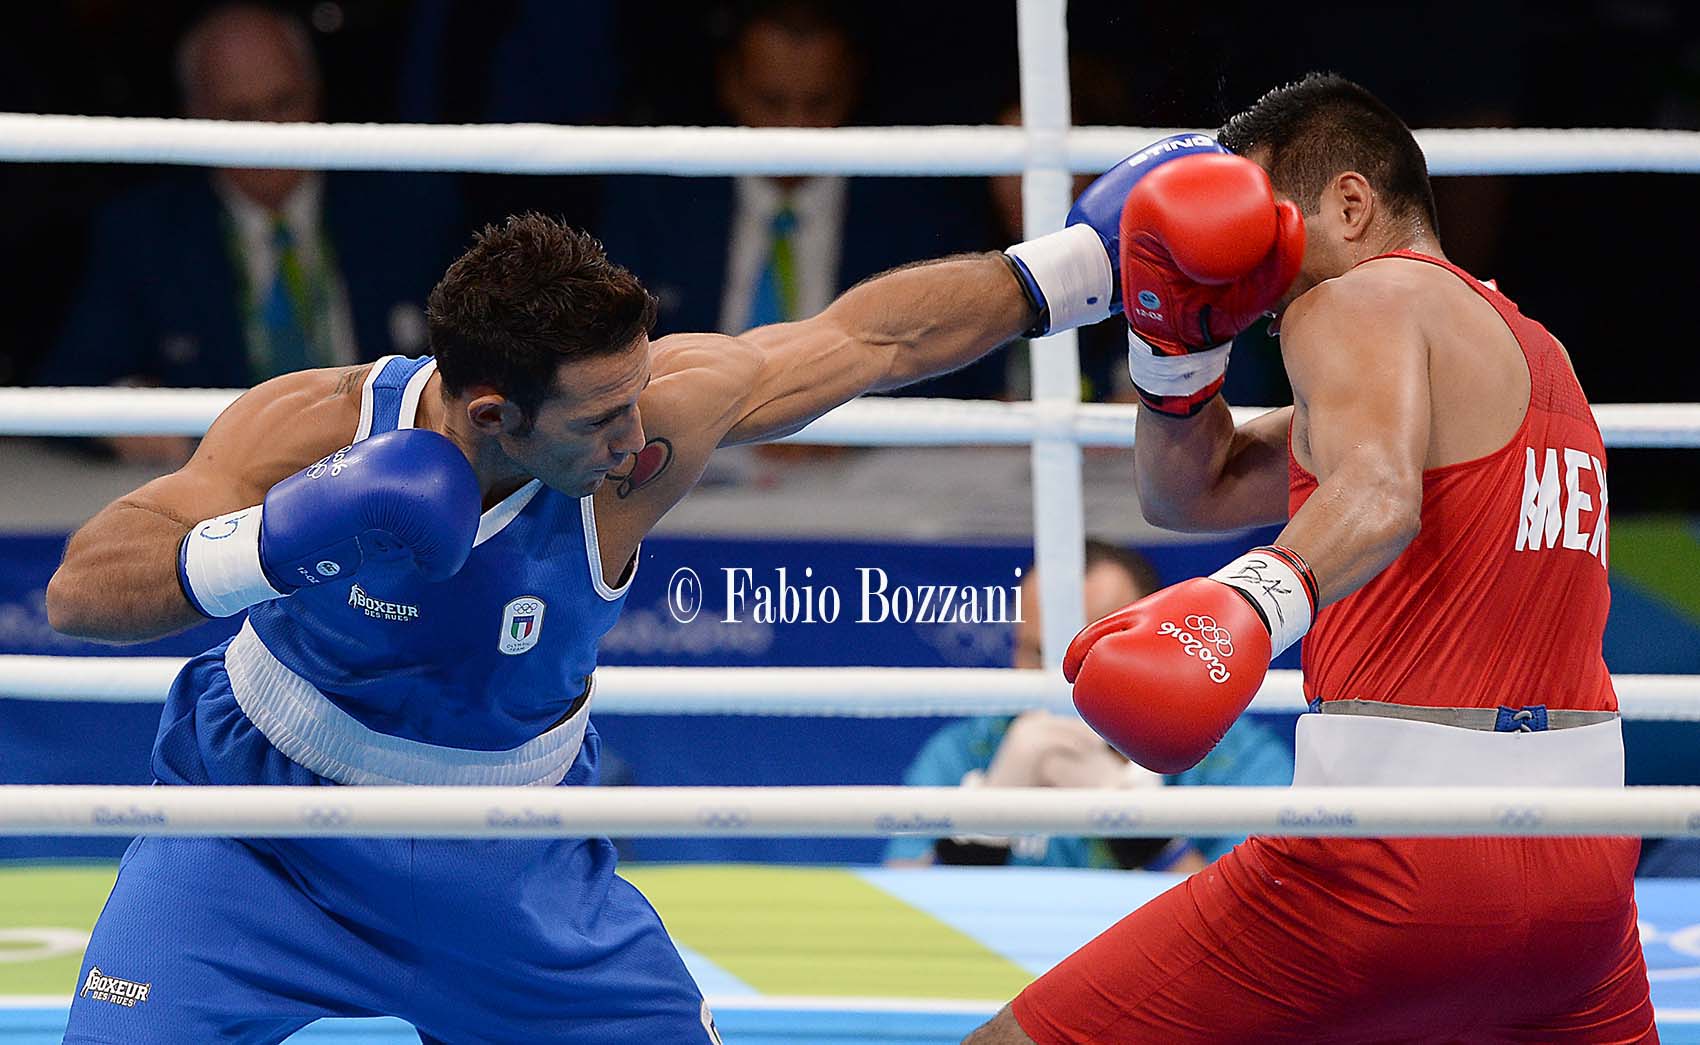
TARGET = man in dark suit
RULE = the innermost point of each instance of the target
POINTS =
(223, 278)
(729, 254)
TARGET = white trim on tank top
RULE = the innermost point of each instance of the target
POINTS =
(593, 550)
(364, 428)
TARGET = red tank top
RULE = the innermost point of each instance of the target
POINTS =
(1501, 599)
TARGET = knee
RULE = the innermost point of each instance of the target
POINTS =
(999, 1030)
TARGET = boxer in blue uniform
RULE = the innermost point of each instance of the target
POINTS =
(428, 552)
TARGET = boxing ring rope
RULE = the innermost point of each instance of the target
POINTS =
(769, 812)
(946, 150)
(834, 692)
(866, 422)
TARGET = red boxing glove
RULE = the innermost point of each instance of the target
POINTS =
(1163, 679)
(1206, 249)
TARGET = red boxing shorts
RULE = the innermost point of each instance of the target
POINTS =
(1368, 940)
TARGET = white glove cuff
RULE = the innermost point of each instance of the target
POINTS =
(219, 564)
(1072, 271)
(1161, 375)
(1279, 593)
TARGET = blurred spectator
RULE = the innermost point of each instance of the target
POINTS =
(731, 254)
(1038, 749)
(224, 278)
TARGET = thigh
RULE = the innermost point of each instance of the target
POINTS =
(210, 939)
(1174, 971)
(1587, 984)
(542, 942)
(1248, 952)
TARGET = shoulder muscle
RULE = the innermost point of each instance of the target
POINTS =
(270, 432)
(1358, 359)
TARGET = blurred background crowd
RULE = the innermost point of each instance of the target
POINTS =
(187, 277)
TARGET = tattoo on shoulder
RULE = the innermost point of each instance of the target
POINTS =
(645, 467)
(349, 382)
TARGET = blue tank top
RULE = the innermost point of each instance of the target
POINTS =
(487, 659)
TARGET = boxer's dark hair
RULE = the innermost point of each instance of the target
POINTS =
(1324, 124)
(526, 297)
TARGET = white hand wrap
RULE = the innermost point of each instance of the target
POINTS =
(1073, 274)
(1161, 375)
(1281, 594)
(219, 564)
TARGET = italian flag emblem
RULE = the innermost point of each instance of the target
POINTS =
(522, 623)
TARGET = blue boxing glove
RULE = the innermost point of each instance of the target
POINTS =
(407, 493)
(1072, 278)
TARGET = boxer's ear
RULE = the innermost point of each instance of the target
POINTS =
(1350, 201)
(492, 413)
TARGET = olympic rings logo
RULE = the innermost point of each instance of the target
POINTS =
(1520, 816)
(727, 817)
(332, 463)
(326, 816)
(1206, 628)
(1210, 634)
(1115, 819)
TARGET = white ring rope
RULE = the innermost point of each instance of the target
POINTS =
(873, 421)
(815, 812)
(836, 692)
(950, 150)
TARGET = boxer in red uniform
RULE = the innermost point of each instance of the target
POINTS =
(1443, 486)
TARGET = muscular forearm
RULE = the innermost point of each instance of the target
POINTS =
(118, 582)
(932, 318)
(1177, 461)
(1200, 473)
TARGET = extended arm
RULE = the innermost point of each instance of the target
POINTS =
(913, 323)
(890, 331)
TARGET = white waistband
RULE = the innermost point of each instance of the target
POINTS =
(307, 728)
(1369, 751)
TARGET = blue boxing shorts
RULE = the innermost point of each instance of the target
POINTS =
(471, 941)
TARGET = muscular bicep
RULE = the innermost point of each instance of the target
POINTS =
(118, 581)
(1358, 360)
(268, 434)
